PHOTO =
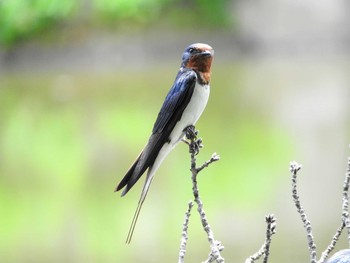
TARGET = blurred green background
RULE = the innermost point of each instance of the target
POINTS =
(81, 83)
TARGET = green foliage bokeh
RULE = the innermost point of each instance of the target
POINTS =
(67, 139)
(20, 19)
(24, 19)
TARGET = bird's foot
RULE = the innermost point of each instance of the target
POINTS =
(194, 144)
(191, 132)
(187, 142)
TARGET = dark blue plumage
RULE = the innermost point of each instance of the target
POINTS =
(182, 107)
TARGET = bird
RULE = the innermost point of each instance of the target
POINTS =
(182, 107)
(342, 256)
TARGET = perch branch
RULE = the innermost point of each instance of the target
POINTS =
(294, 168)
(194, 147)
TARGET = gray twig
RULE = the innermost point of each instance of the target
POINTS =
(184, 238)
(194, 147)
(215, 157)
(346, 200)
(331, 246)
(294, 168)
(270, 230)
(345, 217)
(265, 248)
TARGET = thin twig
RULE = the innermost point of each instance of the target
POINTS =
(294, 168)
(215, 252)
(184, 238)
(194, 146)
(346, 219)
(212, 257)
(270, 230)
(215, 157)
(265, 248)
(331, 246)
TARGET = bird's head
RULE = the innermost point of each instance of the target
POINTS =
(198, 57)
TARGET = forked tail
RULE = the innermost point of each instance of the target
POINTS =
(139, 205)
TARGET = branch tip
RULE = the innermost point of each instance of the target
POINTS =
(294, 167)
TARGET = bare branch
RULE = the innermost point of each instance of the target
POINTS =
(215, 157)
(270, 230)
(215, 245)
(346, 200)
(331, 246)
(265, 248)
(184, 238)
(194, 147)
(294, 168)
(213, 257)
(345, 222)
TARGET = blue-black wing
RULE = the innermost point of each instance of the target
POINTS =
(174, 105)
(175, 102)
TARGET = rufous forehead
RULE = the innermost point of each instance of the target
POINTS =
(202, 46)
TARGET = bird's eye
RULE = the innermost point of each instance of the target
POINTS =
(191, 50)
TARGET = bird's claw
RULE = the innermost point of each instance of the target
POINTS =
(191, 132)
(194, 144)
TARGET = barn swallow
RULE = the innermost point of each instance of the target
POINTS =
(182, 107)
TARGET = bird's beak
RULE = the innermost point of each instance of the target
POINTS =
(207, 53)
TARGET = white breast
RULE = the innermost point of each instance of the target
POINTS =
(190, 116)
(192, 112)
